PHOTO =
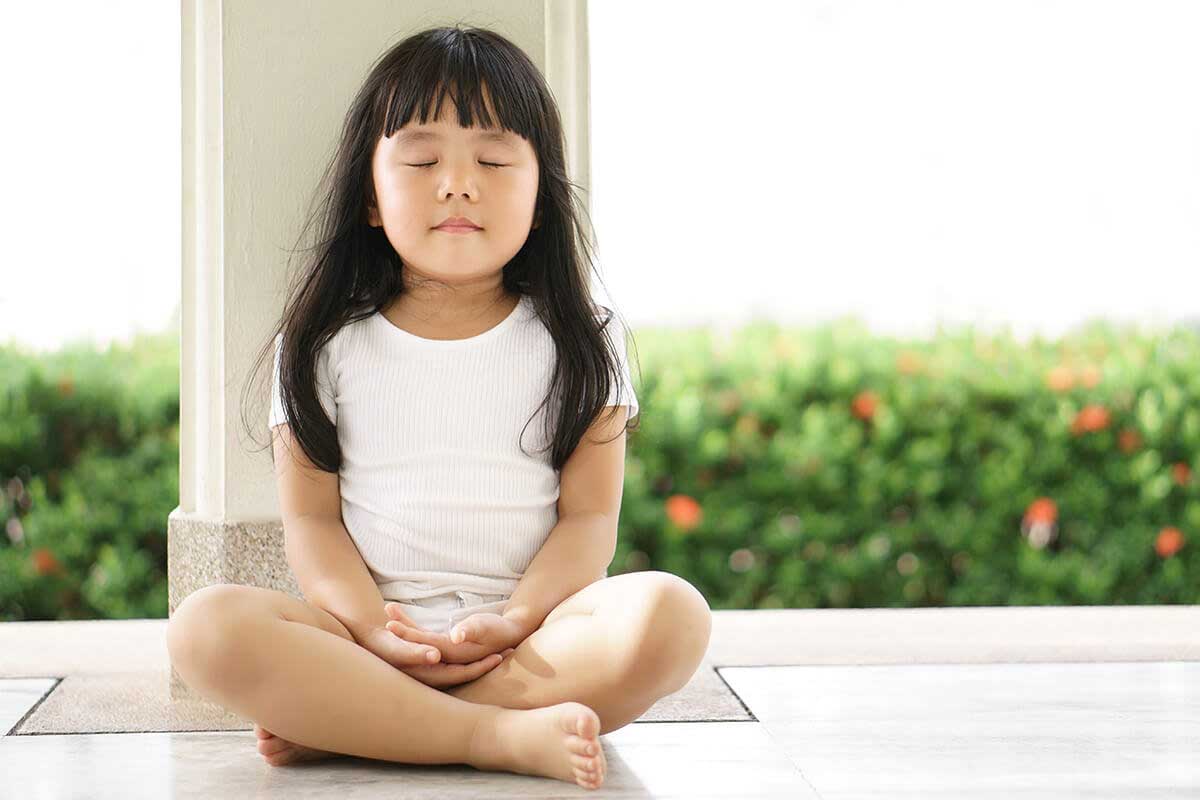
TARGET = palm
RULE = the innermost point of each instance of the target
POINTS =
(486, 633)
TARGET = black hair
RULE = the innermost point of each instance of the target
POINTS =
(353, 271)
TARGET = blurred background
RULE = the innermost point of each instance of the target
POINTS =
(913, 291)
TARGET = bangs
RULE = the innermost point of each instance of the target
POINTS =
(487, 88)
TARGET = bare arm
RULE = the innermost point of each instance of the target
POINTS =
(581, 546)
(327, 565)
(331, 573)
(579, 549)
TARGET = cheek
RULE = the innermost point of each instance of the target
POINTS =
(522, 193)
(400, 205)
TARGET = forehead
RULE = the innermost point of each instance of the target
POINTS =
(424, 133)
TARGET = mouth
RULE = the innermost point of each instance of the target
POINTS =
(457, 229)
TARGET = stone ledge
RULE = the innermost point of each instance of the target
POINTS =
(766, 637)
(202, 552)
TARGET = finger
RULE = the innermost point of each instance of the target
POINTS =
(406, 652)
(462, 633)
(462, 673)
(412, 634)
(486, 664)
(394, 611)
(443, 675)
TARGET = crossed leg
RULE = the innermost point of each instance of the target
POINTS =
(617, 645)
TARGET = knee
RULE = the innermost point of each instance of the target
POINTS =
(679, 630)
(201, 629)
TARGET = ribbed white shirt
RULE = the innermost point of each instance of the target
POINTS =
(436, 492)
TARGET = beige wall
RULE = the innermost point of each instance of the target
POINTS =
(266, 84)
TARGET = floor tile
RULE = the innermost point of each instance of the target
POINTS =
(659, 760)
(1107, 730)
(18, 696)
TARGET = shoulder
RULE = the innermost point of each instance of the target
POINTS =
(343, 342)
(349, 337)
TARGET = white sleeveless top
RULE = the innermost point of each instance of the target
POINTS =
(436, 491)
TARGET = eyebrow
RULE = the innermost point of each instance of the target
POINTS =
(417, 136)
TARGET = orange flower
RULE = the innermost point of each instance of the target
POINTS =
(1060, 378)
(1090, 418)
(864, 404)
(1042, 509)
(1169, 542)
(44, 561)
(66, 386)
(1181, 472)
(1038, 524)
(684, 511)
(1129, 440)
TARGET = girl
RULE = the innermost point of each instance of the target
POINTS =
(456, 604)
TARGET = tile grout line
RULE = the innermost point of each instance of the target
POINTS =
(778, 746)
(742, 703)
(57, 682)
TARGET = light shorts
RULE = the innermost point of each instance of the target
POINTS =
(442, 612)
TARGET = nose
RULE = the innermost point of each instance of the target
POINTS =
(456, 182)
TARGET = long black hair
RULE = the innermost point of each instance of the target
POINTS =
(353, 270)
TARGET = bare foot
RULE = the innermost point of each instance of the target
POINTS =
(559, 741)
(278, 751)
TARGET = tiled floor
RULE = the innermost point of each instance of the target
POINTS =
(1017, 729)
(676, 760)
(1095, 730)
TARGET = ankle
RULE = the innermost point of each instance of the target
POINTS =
(485, 750)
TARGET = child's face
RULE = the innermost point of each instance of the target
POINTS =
(412, 200)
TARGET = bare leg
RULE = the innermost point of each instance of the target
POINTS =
(243, 647)
(618, 645)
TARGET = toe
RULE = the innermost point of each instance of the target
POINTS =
(271, 746)
(587, 724)
(585, 763)
(581, 746)
(578, 719)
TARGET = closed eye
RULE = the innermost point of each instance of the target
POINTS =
(485, 163)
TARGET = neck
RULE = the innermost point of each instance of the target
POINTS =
(438, 302)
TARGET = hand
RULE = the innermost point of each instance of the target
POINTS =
(422, 662)
(477, 636)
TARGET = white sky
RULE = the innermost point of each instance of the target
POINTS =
(90, 154)
(1022, 163)
(1017, 162)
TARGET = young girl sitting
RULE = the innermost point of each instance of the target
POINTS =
(456, 604)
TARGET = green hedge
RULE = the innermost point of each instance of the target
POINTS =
(774, 468)
(89, 465)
